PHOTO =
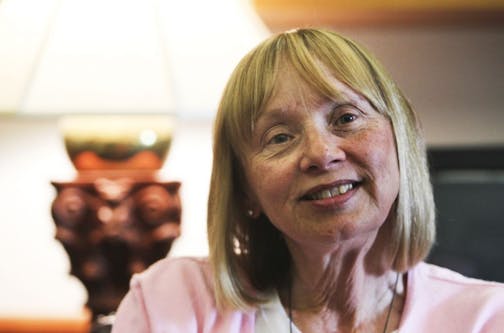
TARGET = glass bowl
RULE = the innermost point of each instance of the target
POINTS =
(117, 142)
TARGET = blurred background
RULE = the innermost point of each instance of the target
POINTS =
(64, 58)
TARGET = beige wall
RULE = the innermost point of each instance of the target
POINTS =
(454, 78)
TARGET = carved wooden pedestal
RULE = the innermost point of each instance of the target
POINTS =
(114, 225)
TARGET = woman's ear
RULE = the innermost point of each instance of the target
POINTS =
(253, 213)
(252, 207)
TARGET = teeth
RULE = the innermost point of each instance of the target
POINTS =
(326, 194)
(344, 188)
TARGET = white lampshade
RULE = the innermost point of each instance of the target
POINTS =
(121, 56)
(22, 30)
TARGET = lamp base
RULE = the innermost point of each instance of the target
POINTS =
(112, 225)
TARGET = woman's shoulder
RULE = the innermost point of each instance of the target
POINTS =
(449, 286)
(175, 276)
(176, 295)
(446, 278)
(175, 267)
(438, 298)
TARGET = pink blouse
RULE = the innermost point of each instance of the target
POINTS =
(175, 296)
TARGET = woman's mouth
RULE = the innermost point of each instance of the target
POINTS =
(330, 192)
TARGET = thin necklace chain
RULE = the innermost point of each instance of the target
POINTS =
(388, 312)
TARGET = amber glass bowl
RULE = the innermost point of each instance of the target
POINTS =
(117, 142)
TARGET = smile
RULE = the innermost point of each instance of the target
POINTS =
(330, 192)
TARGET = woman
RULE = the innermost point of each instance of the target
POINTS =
(320, 210)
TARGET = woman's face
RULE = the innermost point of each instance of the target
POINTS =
(321, 169)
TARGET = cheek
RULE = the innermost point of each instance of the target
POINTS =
(270, 182)
(386, 164)
(379, 158)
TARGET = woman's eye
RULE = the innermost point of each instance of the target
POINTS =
(346, 118)
(279, 138)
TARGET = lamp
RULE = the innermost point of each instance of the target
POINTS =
(121, 56)
(121, 63)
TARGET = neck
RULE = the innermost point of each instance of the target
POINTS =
(341, 288)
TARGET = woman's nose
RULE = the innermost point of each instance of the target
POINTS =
(321, 151)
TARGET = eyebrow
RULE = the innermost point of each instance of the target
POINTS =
(269, 116)
(277, 114)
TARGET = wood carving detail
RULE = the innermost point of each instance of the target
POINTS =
(112, 228)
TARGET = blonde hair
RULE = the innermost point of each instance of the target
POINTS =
(250, 259)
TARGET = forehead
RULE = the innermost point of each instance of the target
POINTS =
(291, 91)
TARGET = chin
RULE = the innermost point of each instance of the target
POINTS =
(347, 230)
